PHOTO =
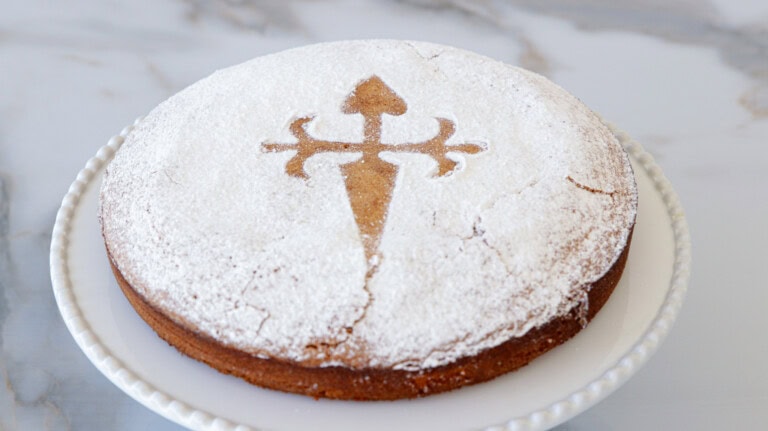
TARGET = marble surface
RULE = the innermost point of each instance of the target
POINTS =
(688, 79)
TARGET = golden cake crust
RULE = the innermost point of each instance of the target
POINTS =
(371, 384)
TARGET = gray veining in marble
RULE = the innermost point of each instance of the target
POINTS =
(5, 258)
(689, 22)
(250, 15)
(692, 22)
(688, 78)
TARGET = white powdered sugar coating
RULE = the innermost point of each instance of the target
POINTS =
(209, 228)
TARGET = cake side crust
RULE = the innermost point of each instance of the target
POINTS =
(370, 384)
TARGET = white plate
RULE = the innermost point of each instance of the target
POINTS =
(554, 388)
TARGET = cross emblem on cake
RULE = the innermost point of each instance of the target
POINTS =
(370, 180)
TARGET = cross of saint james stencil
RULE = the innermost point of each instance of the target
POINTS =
(370, 180)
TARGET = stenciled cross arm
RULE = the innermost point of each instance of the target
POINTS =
(306, 147)
(437, 149)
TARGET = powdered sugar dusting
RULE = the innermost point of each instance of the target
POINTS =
(208, 227)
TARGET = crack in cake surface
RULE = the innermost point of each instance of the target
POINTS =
(370, 181)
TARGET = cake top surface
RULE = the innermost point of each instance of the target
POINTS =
(368, 204)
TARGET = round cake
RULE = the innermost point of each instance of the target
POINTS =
(368, 220)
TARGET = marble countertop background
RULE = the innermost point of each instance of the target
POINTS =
(687, 78)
